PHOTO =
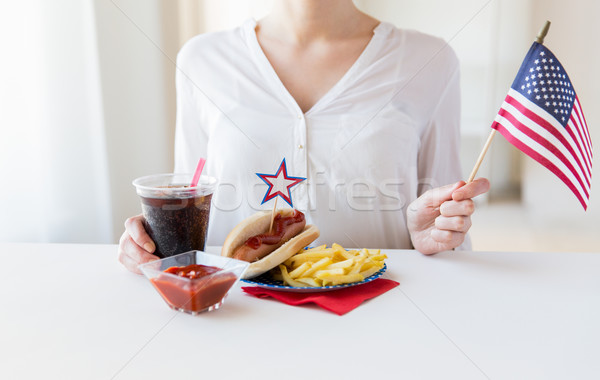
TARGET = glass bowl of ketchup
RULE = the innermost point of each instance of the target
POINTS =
(195, 281)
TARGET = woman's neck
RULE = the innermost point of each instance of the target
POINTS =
(304, 21)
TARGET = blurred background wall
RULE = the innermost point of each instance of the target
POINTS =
(87, 103)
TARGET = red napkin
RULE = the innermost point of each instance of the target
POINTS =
(338, 301)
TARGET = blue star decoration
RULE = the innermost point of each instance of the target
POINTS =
(280, 184)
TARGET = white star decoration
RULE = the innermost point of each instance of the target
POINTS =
(280, 184)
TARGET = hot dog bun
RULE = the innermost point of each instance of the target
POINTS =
(257, 224)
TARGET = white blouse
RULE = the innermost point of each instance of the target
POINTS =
(386, 132)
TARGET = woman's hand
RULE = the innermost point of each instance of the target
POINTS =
(135, 246)
(439, 219)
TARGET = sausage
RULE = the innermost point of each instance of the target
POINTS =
(247, 253)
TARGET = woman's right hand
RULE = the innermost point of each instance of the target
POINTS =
(136, 246)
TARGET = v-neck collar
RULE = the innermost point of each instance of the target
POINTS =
(380, 31)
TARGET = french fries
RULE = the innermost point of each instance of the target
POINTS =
(322, 266)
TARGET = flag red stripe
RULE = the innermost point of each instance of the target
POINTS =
(584, 124)
(543, 142)
(572, 125)
(582, 131)
(539, 158)
(550, 128)
(583, 128)
(569, 128)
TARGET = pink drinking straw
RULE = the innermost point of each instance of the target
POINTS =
(199, 168)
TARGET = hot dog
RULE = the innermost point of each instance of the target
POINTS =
(251, 241)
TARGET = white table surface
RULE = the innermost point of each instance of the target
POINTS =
(73, 312)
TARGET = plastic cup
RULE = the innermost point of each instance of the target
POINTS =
(176, 214)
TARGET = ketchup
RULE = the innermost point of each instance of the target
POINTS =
(193, 271)
(196, 287)
(279, 225)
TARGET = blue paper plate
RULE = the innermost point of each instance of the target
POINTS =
(265, 281)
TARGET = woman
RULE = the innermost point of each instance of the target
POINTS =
(368, 113)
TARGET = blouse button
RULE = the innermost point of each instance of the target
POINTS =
(300, 146)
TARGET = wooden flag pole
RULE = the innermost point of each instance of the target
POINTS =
(540, 40)
(482, 155)
(273, 215)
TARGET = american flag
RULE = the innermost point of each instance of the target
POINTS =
(542, 117)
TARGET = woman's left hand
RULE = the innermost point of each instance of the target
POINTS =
(439, 219)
